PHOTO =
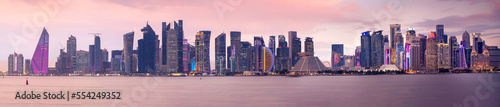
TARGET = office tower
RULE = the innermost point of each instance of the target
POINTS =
(462, 62)
(71, 50)
(480, 54)
(258, 52)
(12, 64)
(63, 64)
(147, 50)
(337, 55)
(246, 56)
(267, 60)
(16, 64)
(40, 60)
(186, 56)
(203, 51)
(294, 48)
(377, 43)
(387, 51)
(466, 39)
(236, 43)
(444, 57)
(454, 46)
(164, 35)
(229, 50)
(365, 55)
(96, 56)
(27, 66)
(82, 61)
(105, 55)
(134, 66)
(394, 29)
(410, 35)
(440, 34)
(272, 47)
(232, 59)
(494, 56)
(282, 54)
(423, 47)
(308, 45)
(398, 40)
(431, 53)
(358, 56)
(415, 54)
(192, 57)
(128, 47)
(220, 53)
(174, 56)
(116, 59)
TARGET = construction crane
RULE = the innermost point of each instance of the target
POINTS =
(95, 34)
(62, 46)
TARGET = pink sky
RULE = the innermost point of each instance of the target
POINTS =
(327, 21)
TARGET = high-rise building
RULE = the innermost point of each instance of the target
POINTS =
(116, 59)
(480, 54)
(466, 39)
(454, 46)
(410, 35)
(444, 57)
(308, 45)
(365, 55)
(337, 55)
(387, 51)
(27, 66)
(96, 56)
(16, 64)
(174, 58)
(494, 56)
(423, 47)
(63, 64)
(40, 60)
(431, 53)
(147, 50)
(82, 61)
(282, 54)
(105, 55)
(186, 59)
(71, 50)
(415, 54)
(440, 34)
(294, 46)
(128, 47)
(236, 43)
(220, 53)
(394, 29)
(377, 43)
(12, 64)
(258, 52)
(272, 47)
(203, 51)
(358, 56)
(246, 56)
(164, 36)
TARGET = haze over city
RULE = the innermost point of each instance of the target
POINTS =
(327, 21)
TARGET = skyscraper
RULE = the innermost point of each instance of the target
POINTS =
(116, 59)
(16, 64)
(164, 36)
(480, 54)
(27, 66)
(128, 47)
(337, 55)
(394, 29)
(387, 51)
(377, 43)
(246, 56)
(40, 60)
(147, 50)
(96, 56)
(309, 45)
(258, 53)
(466, 39)
(272, 47)
(82, 62)
(282, 54)
(220, 53)
(71, 50)
(294, 47)
(12, 64)
(174, 53)
(236, 43)
(440, 34)
(431, 53)
(186, 59)
(203, 51)
(454, 51)
(365, 55)
(444, 57)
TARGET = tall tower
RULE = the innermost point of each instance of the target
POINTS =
(71, 50)
(431, 53)
(466, 39)
(147, 50)
(295, 47)
(440, 34)
(236, 43)
(258, 52)
(365, 55)
(220, 53)
(40, 60)
(282, 53)
(272, 47)
(203, 51)
(394, 29)
(377, 57)
(337, 55)
(128, 47)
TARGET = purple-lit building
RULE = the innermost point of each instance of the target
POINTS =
(40, 60)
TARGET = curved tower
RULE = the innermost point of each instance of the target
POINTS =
(40, 60)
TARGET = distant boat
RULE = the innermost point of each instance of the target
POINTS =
(293, 75)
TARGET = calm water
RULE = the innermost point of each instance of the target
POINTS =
(444, 90)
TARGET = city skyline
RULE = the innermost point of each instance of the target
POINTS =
(61, 26)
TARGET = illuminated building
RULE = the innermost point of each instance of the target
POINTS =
(235, 37)
(147, 50)
(202, 43)
(294, 46)
(444, 57)
(40, 60)
(337, 55)
(309, 45)
(440, 36)
(220, 53)
(480, 57)
(128, 47)
(358, 56)
(267, 60)
(431, 53)
(258, 52)
(377, 49)
(282, 54)
(387, 51)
